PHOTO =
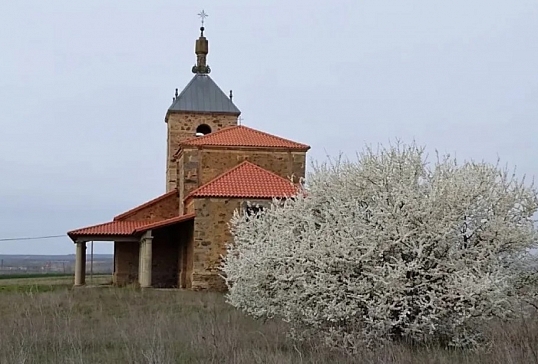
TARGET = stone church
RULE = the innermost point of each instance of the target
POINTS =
(214, 166)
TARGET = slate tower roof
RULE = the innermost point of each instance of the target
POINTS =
(202, 93)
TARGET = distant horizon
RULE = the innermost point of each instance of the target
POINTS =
(52, 255)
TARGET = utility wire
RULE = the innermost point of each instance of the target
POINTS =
(34, 238)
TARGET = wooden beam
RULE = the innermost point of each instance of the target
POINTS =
(112, 238)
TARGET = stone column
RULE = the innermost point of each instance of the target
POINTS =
(144, 269)
(80, 264)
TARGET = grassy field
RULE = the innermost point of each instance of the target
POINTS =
(109, 325)
(45, 282)
(34, 275)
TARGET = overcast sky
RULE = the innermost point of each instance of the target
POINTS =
(85, 85)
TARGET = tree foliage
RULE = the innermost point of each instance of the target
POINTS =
(386, 248)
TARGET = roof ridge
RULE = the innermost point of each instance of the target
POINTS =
(145, 204)
(220, 131)
(203, 95)
(217, 178)
(272, 135)
(266, 171)
(234, 169)
(185, 89)
(269, 139)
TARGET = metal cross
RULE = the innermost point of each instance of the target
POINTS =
(202, 16)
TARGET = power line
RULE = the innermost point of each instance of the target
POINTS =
(33, 238)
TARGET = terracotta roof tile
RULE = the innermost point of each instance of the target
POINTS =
(110, 228)
(144, 205)
(242, 136)
(247, 180)
(126, 228)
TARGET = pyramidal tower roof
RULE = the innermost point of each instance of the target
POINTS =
(202, 93)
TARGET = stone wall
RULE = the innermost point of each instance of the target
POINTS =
(163, 207)
(282, 163)
(199, 166)
(180, 181)
(185, 259)
(182, 126)
(126, 260)
(211, 234)
(189, 172)
(189, 207)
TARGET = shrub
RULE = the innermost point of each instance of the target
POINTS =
(386, 248)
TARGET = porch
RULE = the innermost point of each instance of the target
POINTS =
(158, 254)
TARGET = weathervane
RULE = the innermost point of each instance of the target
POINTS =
(202, 16)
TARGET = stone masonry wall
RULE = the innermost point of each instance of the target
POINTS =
(211, 234)
(282, 163)
(182, 126)
(180, 182)
(161, 209)
(189, 172)
(189, 207)
(126, 255)
(200, 166)
(185, 258)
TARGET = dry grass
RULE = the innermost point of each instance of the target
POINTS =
(107, 325)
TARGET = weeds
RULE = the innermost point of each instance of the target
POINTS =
(108, 325)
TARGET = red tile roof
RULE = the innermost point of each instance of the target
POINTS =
(144, 205)
(127, 228)
(242, 136)
(110, 228)
(247, 180)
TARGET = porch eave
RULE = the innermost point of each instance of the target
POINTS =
(97, 237)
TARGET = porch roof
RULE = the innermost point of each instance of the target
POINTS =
(112, 229)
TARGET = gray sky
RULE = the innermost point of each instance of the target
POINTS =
(84, 88)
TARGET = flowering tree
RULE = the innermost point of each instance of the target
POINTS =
(385, 248)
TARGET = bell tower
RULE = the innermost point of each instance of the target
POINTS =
(201, 108)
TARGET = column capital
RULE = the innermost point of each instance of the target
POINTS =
(146, 236)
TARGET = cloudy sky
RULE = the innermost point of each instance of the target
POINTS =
(85, 85)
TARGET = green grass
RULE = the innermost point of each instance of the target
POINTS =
(34, 275)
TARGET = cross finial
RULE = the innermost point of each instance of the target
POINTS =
(202, 16)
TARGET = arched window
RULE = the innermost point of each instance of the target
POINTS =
(203, 129)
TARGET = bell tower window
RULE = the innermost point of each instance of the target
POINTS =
(202, 130)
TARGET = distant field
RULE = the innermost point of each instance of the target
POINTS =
(45, 282)
(34, 275)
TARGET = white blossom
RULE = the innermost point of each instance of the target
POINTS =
(385, 248)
